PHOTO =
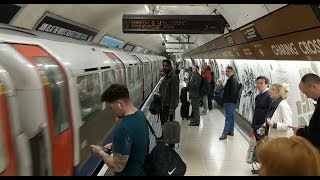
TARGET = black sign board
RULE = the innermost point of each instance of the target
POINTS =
(250, 33)
(229, 39)
(54, 24)
(316, 10)
(7, 12)
(173, 24)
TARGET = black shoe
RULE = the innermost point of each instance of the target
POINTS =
(193, 124)
(223, 136)
(255, 171)
(230, 134)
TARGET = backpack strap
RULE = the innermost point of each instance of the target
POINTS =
(150, 127)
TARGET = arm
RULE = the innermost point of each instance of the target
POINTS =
(286, 115)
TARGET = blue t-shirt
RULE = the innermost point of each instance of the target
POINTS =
(131, 138)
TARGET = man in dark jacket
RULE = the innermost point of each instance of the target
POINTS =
(169, 92)
(229, 99)
(194, 94)
(262, 104)
(310, 86)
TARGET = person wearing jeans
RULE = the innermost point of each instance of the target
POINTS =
(229, 98)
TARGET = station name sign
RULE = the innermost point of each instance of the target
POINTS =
(51, 23)
(173, 24)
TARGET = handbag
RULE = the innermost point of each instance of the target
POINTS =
(250, 152)
(163, 160)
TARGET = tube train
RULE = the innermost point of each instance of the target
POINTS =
(50, 108)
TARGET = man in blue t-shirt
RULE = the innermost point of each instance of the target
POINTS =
(131, 138)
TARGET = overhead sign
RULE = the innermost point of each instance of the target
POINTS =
(54, 24)
(250, 33)
(173, 24)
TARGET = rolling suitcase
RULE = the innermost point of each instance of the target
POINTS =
(171, 132)
(184, 110)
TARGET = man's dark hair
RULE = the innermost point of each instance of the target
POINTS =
(310, 78)
(229, 67)
(266, 80)
(167, 61)
(115, 92)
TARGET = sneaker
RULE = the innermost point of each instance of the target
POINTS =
(230, 134)
(255, 171)
(223, 136)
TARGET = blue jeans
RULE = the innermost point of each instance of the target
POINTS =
(229, 122)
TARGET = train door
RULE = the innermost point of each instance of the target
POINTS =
(7, 157)
(141, 76)
(55, 86)
(120, 73)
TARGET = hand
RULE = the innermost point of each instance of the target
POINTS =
(97, 150)
(108, 146)
(269, 122)
(262, 131)
(295, 129)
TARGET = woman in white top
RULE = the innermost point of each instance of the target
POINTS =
(279, 116)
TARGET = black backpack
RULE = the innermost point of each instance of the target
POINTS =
(239, 90)
(204, 86)
(163, 160)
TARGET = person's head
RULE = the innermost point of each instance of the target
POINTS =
(162, 73)
(294, 156)
(195, 69)
(219, 82)
(117, 98)
(204, 67)
(229, 71)
(279, 90)
(189, 70)
(310, 86)
(167, 66)
(262, 83)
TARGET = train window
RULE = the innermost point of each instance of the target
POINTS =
(137, 73)
(147, 71)
(89, 95)
(108, 78)
(120, 75)
(3, 156)
(58, 91)
(131, 76)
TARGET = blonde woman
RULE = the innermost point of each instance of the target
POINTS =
(294, 156)
(279, 116)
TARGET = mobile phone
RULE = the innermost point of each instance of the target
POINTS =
(106, 150)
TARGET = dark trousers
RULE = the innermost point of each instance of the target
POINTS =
(164, 115)
(210, 102)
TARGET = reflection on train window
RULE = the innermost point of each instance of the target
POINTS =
(137, 74)
(89, 95)
(58, 91)
(3, 156)
(108, 78)
(147, 71)
(120, 75)
(131, 77)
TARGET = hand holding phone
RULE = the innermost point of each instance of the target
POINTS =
(106, 150)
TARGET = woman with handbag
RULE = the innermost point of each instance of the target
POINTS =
(279, 116)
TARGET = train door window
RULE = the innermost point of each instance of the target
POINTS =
(146, 69)
(58, 91)
(3, 154)
(131, 76)
(137, 74)
(89, 95)
(108, 78)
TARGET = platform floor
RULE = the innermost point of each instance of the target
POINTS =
(205, 154)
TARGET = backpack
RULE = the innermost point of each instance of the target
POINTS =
(163, 160)
(204, 86)
(155, 105)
